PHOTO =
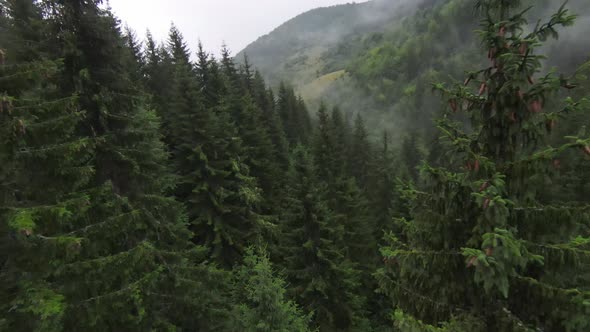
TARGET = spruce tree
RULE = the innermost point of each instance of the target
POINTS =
(225, 198)
(341, 140)
(360, 152)
(411, 156)
(247, 76)
(158, 75)
(265, 99)
(304, 126)
(260, 301)
(322, 279)
(136, 60)
(323, 147)
(206, 153)
(572, 183)
(482, 251)
(277, 132)
(258, 148)
(382, 189)
(94, 243)
(209, 78)
(294, 115)
(42, 170)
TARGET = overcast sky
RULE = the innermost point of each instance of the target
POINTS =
(237, 22)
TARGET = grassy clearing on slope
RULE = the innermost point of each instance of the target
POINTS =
(316, 88)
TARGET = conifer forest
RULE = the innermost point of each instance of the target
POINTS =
(434, 175)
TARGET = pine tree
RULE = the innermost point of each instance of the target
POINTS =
(360, 152)
(234, 89)
(341, 140)
(322, 279)
(304, 125)
(323, 146)
(294, 115)
(265, 100)
(225, 198)
(136, 60)
(382, 189)
(42, 167)
(411, 156)
(95, 244)
(158, 74)
(258, 148)
(572, 183)
(259, 299)
(526, 260)
(206, 154)
(210, 81)
(247, 76)
(277, 132)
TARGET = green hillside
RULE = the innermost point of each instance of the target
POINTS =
(390, 62)
(303, 48)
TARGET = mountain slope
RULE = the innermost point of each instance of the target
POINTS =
(380, 57)
(297, 48)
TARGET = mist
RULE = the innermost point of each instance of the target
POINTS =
(327, 55)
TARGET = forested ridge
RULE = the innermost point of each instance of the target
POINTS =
(145, 186)
(384, 66)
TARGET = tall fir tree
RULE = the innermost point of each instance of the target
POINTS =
(341, 139)
(158, 74)
(209, 78)
(482, 251)
(42, 167)
(260, 301)
(206, 153)
(360, 152)
(411, 156)
(95, 244)
(137, 58)
(322, 279)
(294, 115)
(381, 192)
(265, 99)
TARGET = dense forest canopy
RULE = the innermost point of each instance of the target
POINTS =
(145, 186)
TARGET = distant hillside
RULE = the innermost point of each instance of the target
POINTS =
(297, 48)
(380, 57)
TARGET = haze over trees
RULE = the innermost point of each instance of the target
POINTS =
(145, 186)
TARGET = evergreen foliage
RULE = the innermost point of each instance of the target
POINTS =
(141, 184)
(94, 243)
(259, 297)
(481, 240)
(321, 277)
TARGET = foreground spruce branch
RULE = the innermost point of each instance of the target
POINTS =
(483, 250)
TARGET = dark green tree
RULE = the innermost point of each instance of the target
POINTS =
(303, 122)
(294, 116)
(210, 81)
(341, 140)
(382, 193)
(483, 252)
(137, 58)
(158, 75)
(258, 151)
(206, 154)
(323, 146)
(360, 152)
(94, 242)
(277, 132)
(321, 277)
(411, 156)
(260, 301)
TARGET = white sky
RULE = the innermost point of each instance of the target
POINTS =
(237, 22)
